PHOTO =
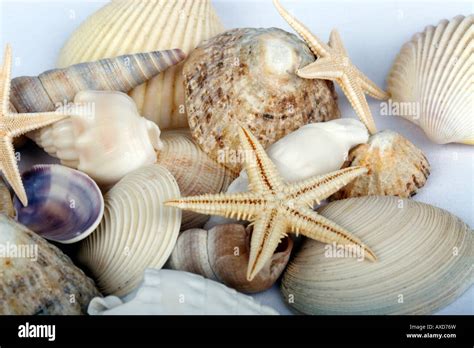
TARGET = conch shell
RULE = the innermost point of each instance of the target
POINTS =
(105, 137)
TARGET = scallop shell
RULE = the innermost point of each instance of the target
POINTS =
(137, 230)
(6, 204)
(424, 261)
(222, 254)
(396, 167)
(36, 277)
(194, 171)
(65, 205)
(247, 77)
(166, 292)
(130, 26)
(434, 72)
(105, 137)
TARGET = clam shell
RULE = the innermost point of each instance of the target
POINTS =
(65, 205)
(246, 77)
(434, 70)
(396, 167)
(194, 171)
(6, 204)
(137, 231)
(36, 277)
(131, 26)
(424, 261)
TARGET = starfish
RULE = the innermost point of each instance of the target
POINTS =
(15, 124)
(274, 207)
(334, 64)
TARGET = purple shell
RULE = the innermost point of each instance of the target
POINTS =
(64, 205)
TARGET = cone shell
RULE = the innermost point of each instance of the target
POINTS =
(223, 253)
(39, 279)
(396, 167)
(195, 172)
(247, 77)
(137, 230)
(434, 72)
(6, 203)
(131, 26)
(424, 261)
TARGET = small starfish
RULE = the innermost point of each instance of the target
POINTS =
(14, 124)
(275, 207)
(334, 64)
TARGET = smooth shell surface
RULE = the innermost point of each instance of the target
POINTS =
(65, 205)
(166, 292)
(246, 77)
(137, 230)
(433, 73)
(132, 26)
(6, 203)
(425, 258)
(37, 278)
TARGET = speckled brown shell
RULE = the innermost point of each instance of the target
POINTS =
(247, 77)
(6, 204)
(396, 168)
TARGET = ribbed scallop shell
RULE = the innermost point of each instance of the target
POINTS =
(130, 26)
(137, 231)
(425, 257)
(435, 71)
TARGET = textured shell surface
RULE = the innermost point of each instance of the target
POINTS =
(6, 202)
(132, 26)
(105, 137)
(158, 295)
(247, 77)
(65, 205)
(424, 254)
(137, 230)
(37, 278)
(395, 166)
(434, 71)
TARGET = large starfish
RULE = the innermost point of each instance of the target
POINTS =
(14, 124)
(276, 208)
(334, 64)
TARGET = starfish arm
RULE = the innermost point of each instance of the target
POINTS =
(335, 42)
(9, 168)
(371, 88)
(323, 68)
(316, 189)
(262, 173)
(318, 47)
(18, 124)
(317, 227)
(5, 81)
(268, 230)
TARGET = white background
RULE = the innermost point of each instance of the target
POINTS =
(373, 32)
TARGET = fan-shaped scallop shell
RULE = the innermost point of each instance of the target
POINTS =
(434, 72)
(425, 258)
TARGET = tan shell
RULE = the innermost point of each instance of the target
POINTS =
(131, 26)
(396, 167)
(194, 171)
(222, 254)
(246, 77)
(42, 286)
(6, 202)
(424, 261)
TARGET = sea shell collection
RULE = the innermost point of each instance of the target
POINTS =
(204, 180)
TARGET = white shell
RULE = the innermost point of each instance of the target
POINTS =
(434, 71)
(105, 138)
(163, 291)
(137, 230)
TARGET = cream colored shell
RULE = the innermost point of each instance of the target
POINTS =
(131, 26)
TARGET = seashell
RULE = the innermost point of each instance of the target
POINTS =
(105, 137)
(163, 291)
(6, 204)
(137, 230)
(222, 254)
(36, 277)
(65, 205)
(246, 77)
(425, 261)
(396, 168)
(434, 73)
(57, 87)
(194, 171)
(130, 26)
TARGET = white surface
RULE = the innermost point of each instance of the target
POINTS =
(373, 32)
